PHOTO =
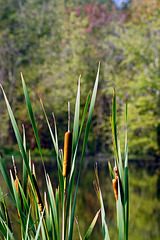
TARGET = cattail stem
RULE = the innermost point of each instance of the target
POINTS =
(64, 205)
(44, 222)
(66, 164)
(64, 184)
(14, 165)
(69, 116)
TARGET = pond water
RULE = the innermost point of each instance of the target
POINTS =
(144, 190)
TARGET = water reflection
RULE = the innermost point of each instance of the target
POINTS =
(144, 181)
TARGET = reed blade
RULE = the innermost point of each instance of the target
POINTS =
(88, 125)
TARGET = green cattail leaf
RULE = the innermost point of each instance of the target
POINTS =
(114, 126)
(126, 195)
(59, 162)
(39, 227)
(18, 136)
(48, 219)
(6, 176)
(55, 130)
(4, 212)
(57, 205)
(44, 234)
(3, 228)
(52, 136)
(79, 233)
(76, 119)
(17, 202)
(7, 218)
(24, 165)
(8, 231)
(27, 226)
(53, 208)
(120, 215)
(93, 99)
(103, 216)
(72, 173)
(28, 102)
(111, 170)
(26, 207)
(91, 227)
(120, 171)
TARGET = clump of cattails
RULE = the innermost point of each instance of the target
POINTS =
(115, 183)
(67, 148)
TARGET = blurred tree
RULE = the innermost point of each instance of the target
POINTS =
(53, 42)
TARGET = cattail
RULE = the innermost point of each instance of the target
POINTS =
(38, 196)
(67, 148)
(67, 153)
(115, 183)
(17, 188)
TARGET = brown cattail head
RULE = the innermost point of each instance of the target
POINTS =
(19, 193)
(115, 183)
(38, 196)
(16, 184)
(115, 187)
(17, 188)
(67, 153)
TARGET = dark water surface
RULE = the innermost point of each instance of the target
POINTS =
(144, 189)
